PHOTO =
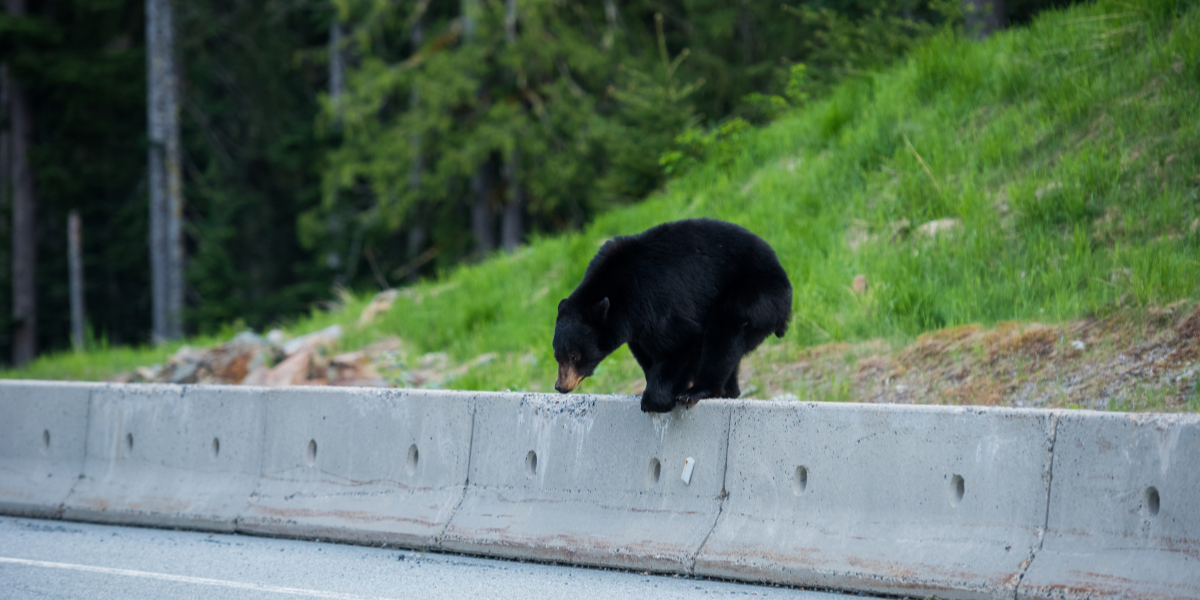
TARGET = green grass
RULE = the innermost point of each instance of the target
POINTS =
(1068, 151)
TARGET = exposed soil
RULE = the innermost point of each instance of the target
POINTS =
(1134, 360)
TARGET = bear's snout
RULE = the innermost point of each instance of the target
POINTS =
(568, 379)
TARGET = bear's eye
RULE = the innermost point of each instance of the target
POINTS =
(575, 358)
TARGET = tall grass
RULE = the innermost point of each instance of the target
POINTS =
(1064, 157)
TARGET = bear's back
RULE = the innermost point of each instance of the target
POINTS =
(689, 261)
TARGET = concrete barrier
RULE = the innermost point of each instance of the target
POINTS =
(1124, 512)
(905, 500)
(362, 465)
(170, 456)
(591, 480)
(42, 431)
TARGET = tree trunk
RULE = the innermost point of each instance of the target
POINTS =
(416, 233)
(470, 11)
(984, 17)
(744, 32)
(510, 223)
(166, 186)
(610, 19)
(483, 214)
(24, 204)
(5, 177)
(483, 182)
(75, 268)
(337, 69)
(4, 143)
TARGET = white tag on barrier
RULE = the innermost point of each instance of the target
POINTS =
(688, 465)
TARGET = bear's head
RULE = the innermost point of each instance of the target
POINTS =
(579, 335)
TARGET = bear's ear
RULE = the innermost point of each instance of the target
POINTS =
(600, 311)
(560, 304)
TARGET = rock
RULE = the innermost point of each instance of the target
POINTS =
(1078, 345)
(185, 355)
(292, 371)
(859, 285)
(1046, 189)
(148, 374)
(435, 360)
(184, 373)
(353, 369)
(247, 338)
(349, 358)
(382, 302)
(232, 367)
(257, 376)
(857, 235)
(231, 362)
(311, 341)
(933, 228)
(276, 337)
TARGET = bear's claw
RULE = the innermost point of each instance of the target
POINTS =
(690, 397)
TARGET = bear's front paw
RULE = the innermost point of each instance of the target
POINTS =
(694, 395)
(657, 403)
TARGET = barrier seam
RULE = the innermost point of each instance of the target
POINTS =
(1046, 518)
(437, 542)
(87, 432)
(262, 454)
(720, 498)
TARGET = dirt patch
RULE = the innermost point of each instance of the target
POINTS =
(1138, 360)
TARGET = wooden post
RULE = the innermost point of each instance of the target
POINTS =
(75, 266)
(166, 183)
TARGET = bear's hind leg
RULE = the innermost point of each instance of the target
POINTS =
(733, 330)
(722, 351)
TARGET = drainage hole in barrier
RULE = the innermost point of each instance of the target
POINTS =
(531, 464)
(129, 442)
(45, 439)
(413, 456)
(957, 489)
(654, 472)
(800, 480)
(216, 447)
(1152, 501)
(312, 452)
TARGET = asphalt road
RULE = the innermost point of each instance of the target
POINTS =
(57, 559)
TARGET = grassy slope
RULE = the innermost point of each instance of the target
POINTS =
(1069, 151)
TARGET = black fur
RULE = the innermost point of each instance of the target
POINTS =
(691, 298)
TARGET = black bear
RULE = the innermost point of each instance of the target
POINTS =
(691, 298)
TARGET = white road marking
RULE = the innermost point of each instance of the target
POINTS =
(185, 579)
